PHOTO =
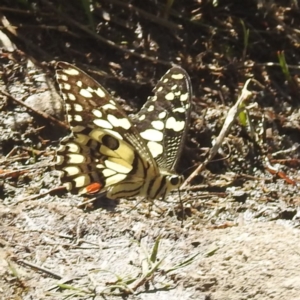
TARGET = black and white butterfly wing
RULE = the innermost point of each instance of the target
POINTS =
(163, 120)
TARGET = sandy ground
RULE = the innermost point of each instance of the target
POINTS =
(89, 251)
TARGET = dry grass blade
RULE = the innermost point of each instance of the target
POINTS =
(230, 119)
(148, 16)
(40, 113)
(99, 38)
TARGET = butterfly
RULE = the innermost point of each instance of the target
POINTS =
(121, 156)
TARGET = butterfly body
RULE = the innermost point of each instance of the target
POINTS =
(112, 153)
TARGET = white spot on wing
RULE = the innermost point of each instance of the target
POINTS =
(71, 71)
(177, 76)
(103, 123)
(179, 109)
(85, 93)
(142, 117)
(159, 125)
(71, 170)
(155, 148)
(124, 122)
(100, 166)
(90, 89)
(82, 180)
(151, 108)
(162, 115)
(97, 113)
(175, 125)
(63, 77)
(78, 107)
(71, 96)
(184, 97)
(108, 172)
(68, 107)
(109, 106)
(170, 96)
(65, 86)
(152, 135)
(59, 158)
(100, 92)
(78, 118)
(76, 159)
(73, 148)
(114, 133)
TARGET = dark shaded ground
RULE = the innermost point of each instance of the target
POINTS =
(240, 235)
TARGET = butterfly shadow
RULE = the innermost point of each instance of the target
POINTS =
(100, 201)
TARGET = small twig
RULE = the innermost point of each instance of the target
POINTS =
(57, 189)
(138, 283)
(146, 15)
(276, 170)
(102, 39)
(230, 119)
(40, 113)
(25, 40)
(31, 150)
(12, 173)
(62, 281)
(24, 12)
(38, 268)
(285, 151)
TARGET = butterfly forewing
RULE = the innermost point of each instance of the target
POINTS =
(162, 121)
(105, 147)
(88, 105)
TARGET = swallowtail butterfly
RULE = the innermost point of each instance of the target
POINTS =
(109, 152)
